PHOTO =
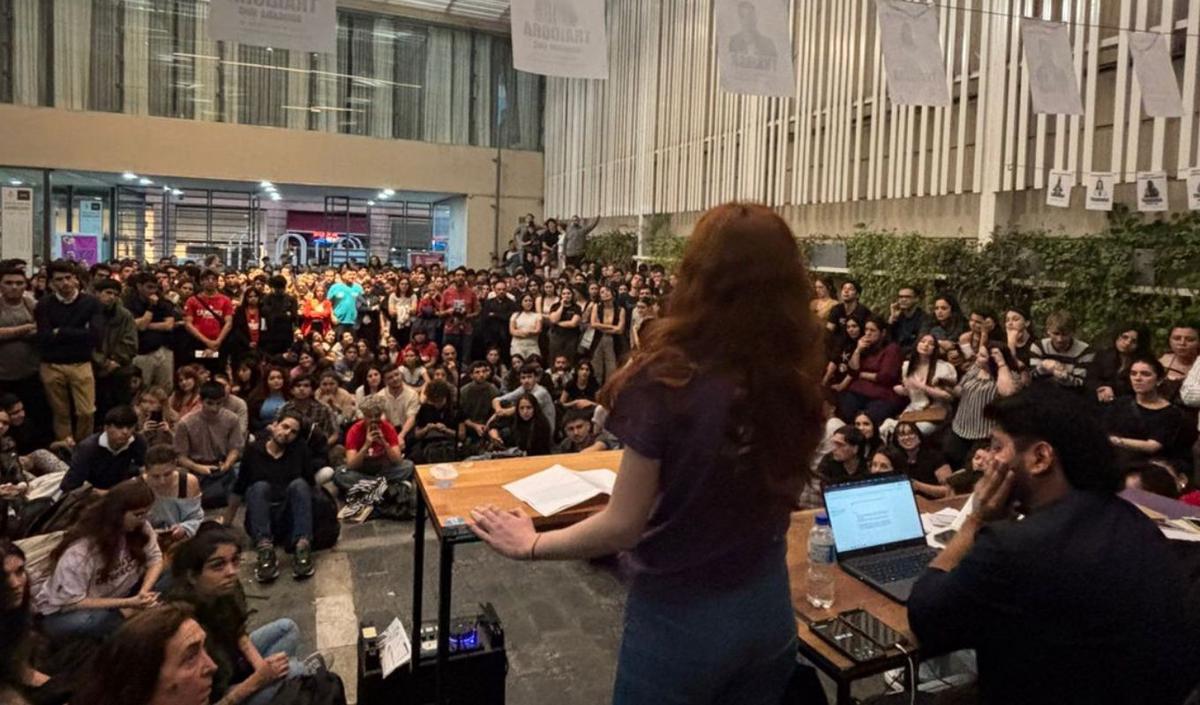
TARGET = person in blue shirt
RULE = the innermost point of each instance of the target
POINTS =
(344, 295)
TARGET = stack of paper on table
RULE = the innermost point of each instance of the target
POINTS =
(557, 488)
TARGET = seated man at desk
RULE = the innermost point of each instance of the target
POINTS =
(1079, 602)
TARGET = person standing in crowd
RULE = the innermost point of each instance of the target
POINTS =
(608, 322)
(524, 328)
(155, 320)
(109, 457)
(344, 295)
(1084, 584)
(400, 307)
(280, 315)
(823, 301)
(575, 239)
(1060, 359)
(498, 310)
(276, 480)
(208, 318)
(116, 348)
(705, 556)
(458, 309)
(850, 307)
(18, 335)
(66, 338)
(105, 567)
(906, 320)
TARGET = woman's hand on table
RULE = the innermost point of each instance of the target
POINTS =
(510, 533)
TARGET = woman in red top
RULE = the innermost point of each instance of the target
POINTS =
(247, 325)
(316, 313)
(875, 367)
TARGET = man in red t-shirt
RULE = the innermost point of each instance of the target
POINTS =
(372, 449)
(458, 308)
(208, 317)
(425, 348)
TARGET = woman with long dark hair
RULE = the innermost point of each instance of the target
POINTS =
(247, 326)
(105, 567)
(608, 320)
(925, 380)
(16, 620)
(1108, 373)
(947, 323)
(565, 318)
(186, 397)
(875, 369)
(268, 399)
(717, 427)
(527, 430)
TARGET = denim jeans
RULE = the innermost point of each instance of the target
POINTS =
(345, 479)
(732, 646)
(215, 489)
(88, 624)
(292, 517)
(280, 636)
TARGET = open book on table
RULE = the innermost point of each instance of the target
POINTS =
(557, 488)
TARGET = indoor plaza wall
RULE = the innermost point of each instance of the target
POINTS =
(111, 142)
(660, 136)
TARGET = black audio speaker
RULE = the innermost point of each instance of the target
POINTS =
(475, 673)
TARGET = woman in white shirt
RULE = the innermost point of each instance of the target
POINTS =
(525, 327)
(400, 305)
(926, 379)
(105, 568)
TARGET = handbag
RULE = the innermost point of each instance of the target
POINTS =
(586, 340)
(930, 414)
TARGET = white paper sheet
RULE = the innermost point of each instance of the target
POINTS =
(1052, 81)
(1155, 74)
(1098, 186)
(912, 53)
(1152, 191)
(396, 648)
(1193, 185)
(1058, 188)
(557, 488)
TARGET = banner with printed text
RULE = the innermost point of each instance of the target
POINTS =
(565, 38)
(1052, 81)
(912, 53)
(302, 25)
(754, 48)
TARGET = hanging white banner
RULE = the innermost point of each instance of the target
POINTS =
(303, 25)
(916, 71)
(1155, 75)
(754, 48)
(1152, 191)
(1098, 190)
(1058, 189)
(1193, 184)
(564, 38)
(16, 224)
(1052, 80)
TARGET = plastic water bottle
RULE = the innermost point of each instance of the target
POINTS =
(821, 563)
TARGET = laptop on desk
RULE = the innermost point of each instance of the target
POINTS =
(877, 532)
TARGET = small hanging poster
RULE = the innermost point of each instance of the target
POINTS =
(1193, 184)
(1058, 188)
(1098, 187)
(1152, 191)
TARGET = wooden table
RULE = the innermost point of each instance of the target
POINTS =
(849, 593)
(480, 483)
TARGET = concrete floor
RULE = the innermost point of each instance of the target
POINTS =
(562, 620)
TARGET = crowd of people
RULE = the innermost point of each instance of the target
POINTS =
(136, 400)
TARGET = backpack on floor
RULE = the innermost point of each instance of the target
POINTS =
(326, 527)
(320, 688)
(399, 501)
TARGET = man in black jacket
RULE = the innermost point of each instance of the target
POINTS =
(105, 459)
(279, 314)
(1082, 601)
(67, 336)
(276, 480)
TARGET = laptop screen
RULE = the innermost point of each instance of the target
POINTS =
(872, 512)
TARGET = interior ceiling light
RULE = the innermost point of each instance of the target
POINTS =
(275, 197)
(265, 184)
(176, 192)
(370, 203)
(166, 188)
(145, 182)
(389, 192)
(15, 182)
(129, 176)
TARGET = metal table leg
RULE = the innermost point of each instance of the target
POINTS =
(843, 693)
(418, 584)
(446, 571)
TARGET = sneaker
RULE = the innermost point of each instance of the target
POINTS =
(302, 563)
(317, 662)
(267, 568)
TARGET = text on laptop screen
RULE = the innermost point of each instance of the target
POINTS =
(870, 514)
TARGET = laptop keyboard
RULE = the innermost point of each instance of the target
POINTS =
(893, 568)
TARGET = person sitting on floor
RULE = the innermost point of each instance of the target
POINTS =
(176, 513)
(526, 429)
(251, 665)
(475, 405)
(372, 448)
(844, 459)
(209, 443)
(1085, 584)
(107, 458)
(105, 568)
(435, 427)
(582, 437)
(276, 481)
(504, 405)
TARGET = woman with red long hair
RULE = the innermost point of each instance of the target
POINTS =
(720, 412)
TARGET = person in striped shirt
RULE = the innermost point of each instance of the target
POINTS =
(1060, 359)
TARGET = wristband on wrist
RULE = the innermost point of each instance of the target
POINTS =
(533, 547)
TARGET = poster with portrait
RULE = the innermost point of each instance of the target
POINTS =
(16, 224)
(1193, 187)
(1098, 190)
(754, 48)
(565, 38)
(1058, 188)
(76, 247)
(1152, 191)
(912, 54)
(1155, 75)
(1052, 81)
